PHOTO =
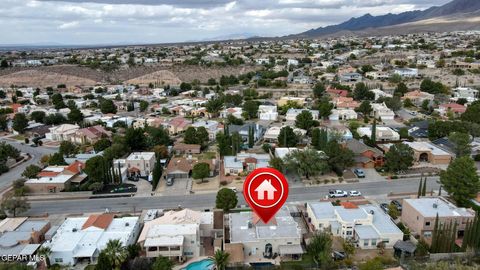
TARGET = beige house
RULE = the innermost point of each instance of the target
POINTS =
(90, 134)
(417, 97)
(140, 163)
(284, 100)
(419, 215)
(55, 179)
(62, 132)
(426, 152)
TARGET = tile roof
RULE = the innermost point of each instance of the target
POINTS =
(100, 221)
(75, 167)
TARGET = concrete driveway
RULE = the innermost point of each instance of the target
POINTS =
(371, 175)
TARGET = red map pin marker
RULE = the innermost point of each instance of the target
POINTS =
(265, 190)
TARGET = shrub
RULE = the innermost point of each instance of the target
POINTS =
(326, 181)
(223, 183)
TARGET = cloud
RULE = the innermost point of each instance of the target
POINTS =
(153, 21)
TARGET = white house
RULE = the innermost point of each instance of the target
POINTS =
(367, 225)
(237, 112)
(382, 133)
(211, 126)
(406, 72)
(379, 93)
(267, 112)
(140, 163)
(244, 162)
(342, 114)
(260, 241)
(262, 61)
(467, 93)
(83, 238)
(292, 114)
(62, 132)
(380, 110)
(177, 234)
(292, 62)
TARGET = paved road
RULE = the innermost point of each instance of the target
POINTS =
(35, 152)
(204, 201)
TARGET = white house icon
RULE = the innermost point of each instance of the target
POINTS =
(265, 186)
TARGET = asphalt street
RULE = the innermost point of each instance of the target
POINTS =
(206, 201)
(36, 153)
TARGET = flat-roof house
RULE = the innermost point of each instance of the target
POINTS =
(419, 215)
(55, 179)
(267, 112)
(367, 225)
(21, 236)
(293, 113)
(351, 77)
(260, 241)
(237, 112)
(380, 110)
(244, 163)
(177, 234)
(83, 238)
(467, 93)
(140, 163)
(383, 133)
(342, 114)
(243, 130)
(406, 72)
(212, 127)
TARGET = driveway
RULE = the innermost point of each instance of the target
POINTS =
(371, 175)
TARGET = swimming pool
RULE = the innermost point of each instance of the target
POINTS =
(206, 264)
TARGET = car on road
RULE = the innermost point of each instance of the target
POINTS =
(33, 145)
(354, 193)
(359, 173)
(170, 181)
(384, 207)
(397, 204)
(337, 193)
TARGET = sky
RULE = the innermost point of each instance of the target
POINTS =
(92, 22)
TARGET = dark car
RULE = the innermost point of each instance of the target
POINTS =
(338, 255)
(170, 181)
(397, 204)
(384, 207)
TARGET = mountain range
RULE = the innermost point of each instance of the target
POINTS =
(447, 12)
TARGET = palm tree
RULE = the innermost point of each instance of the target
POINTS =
(221, 259)
(116, 253)
(45, 252)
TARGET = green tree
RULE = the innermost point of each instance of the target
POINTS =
(162, 263)
(68, 149)
(306, 162)
(20, 123)
(116, 253)
(107, 106)
(226, 199)
(14, 205)
(31, 171)
(201, 171)
(461, 180)
(401, 89)
(75, 115)
(325, 108)
(57, 101)
(251, 140)
(432, 87)
(461, 143)
(339, 157)
(304, 120)
(135, 139)
(399, 158)
(45, 252)
(472, 113)
(143, 105)
(190, 136)
(372, 264)
(224, 144)
(287, 138)
(3, 122)
(393, 211)
(102, 144)
(319, 139)
(56, 159)
(38, 116)
(348, 247)
(214, 106)
(96, 169)
(220, 258)
(277, 163)
(361, 92)
(365, 108)
(318, 90)
(320, 249)
(157, 173)
(250, 109)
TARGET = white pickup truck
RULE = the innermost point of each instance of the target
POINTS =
(337, 193)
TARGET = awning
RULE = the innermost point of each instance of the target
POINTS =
(291, 249)
(85, 252)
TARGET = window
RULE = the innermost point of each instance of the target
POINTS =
(349, 232)
(374, 242)
(365, 243)
(192, 242)
(427, 223)
(427, 234)
(289, 243)
(386, 241)
(58, 260)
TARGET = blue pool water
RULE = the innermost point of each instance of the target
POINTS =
(206, 264)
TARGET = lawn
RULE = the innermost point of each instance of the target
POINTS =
(18, 137)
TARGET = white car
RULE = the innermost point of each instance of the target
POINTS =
(337, 193)
(354, 193)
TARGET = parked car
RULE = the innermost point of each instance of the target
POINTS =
(33, 145)
(354, 193)
(359, 173)
(338, 255)
(170, 181)
(397, 204)
(384, 207)
(337, 193)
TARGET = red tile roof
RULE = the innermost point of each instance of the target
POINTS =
(100, 221)
(349, 205)
(75, 167)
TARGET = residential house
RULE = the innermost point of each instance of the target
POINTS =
(140, 164)
(183, 148)
(366, 225)
(345, 103)
(406, 72)
(260, 242)
(212, 127)
(267, 112)
(426, 152)
(337, 93)
(21, 236)
(237, 112)
(55, 179)
(419, 129)
(351, 77)
(467, 93)
(243, 130)
(90, 135)
(244, 162)
(382, 133)
(451, 108)
(380, 94)
(177, 125)
(178, 235)
(271, 135)
(365, 156)
(419, 215)
(380, 110)
(62, 132)
(181, 168)
(293, 113)
(417, 97)
(342, 114)
(83, 238)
